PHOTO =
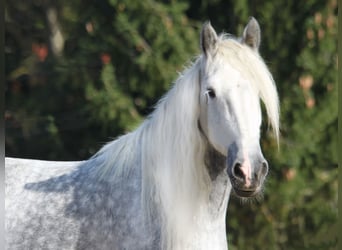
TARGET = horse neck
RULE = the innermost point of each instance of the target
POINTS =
(210, 224)
(220, 183)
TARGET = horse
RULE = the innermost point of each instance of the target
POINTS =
(166, 184)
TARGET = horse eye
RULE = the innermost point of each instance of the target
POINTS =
(211, 93)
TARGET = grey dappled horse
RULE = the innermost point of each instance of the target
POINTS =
(165, 185)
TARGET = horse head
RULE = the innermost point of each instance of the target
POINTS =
(233, 79)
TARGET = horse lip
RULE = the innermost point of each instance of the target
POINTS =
(245, 192)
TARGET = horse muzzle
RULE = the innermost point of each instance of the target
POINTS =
(246, 172)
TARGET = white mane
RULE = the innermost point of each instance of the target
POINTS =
(171, 149)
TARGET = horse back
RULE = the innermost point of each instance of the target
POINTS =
(64, 205)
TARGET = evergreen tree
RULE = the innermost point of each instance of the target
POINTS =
(118, 59)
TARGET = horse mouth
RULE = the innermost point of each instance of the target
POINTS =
(245, 193)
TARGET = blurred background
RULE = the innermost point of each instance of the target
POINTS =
(80, 73)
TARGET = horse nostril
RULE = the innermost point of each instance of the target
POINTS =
(264, 168)
(237, 171)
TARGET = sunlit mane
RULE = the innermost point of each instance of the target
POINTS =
(171, 152)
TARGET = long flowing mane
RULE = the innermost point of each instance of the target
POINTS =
(171, 149)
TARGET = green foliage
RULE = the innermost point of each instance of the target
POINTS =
(109, 105)
(120, 57)
(113, 70)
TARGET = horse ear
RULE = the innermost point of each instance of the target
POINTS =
(208, 39)
(251, 34)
